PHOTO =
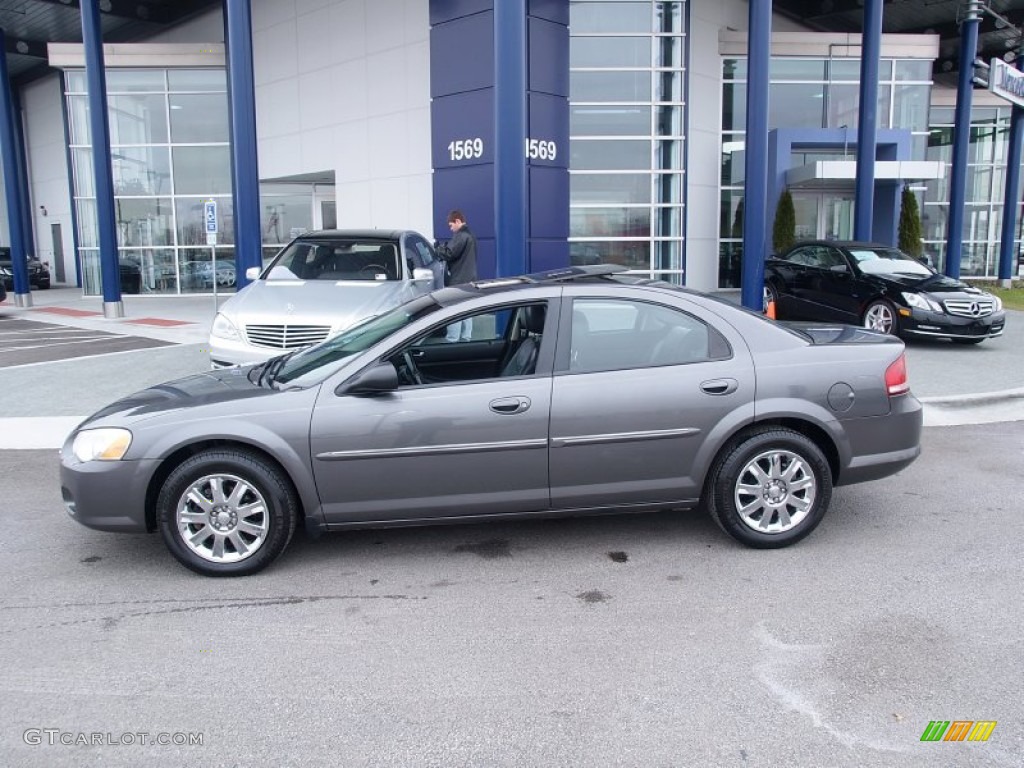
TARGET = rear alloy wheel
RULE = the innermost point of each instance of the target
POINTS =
(881, 316)
(770, 297)
(226, 513)
(770, 490)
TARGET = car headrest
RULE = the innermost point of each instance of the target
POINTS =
(532, 318)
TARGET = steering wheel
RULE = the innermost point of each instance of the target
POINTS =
(373, 268)
(411, 367)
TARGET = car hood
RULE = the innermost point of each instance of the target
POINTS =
(211, 388)
(337, 305)
(937, 284)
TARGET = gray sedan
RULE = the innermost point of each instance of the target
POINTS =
(581, 391)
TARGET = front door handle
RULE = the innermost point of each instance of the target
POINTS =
(510, 405)
(719, 386)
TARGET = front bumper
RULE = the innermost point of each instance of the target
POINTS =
(106, 495)
(922, 322)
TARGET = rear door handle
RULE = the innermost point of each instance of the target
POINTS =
(719, 386)
(510, 405)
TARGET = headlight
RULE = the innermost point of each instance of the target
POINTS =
(224, 328)
(107, 444)
(997, 304)
(922, 302)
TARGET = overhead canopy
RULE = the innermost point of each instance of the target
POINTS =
(834, 174)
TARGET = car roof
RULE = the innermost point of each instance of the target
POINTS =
(844, 244)
(357, 234)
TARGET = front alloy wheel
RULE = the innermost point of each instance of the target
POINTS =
(771, 489)
(880, 316)
(226, 513)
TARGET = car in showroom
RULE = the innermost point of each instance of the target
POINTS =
(879, 287)
(582, 391)
(318, 285)
(38, 271)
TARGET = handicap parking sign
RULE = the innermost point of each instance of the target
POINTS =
(210, 215)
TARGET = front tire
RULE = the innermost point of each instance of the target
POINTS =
(881, 316)
(771, 489)
(226, 513)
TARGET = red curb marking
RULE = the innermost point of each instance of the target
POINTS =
(68, 311)
(157, 321)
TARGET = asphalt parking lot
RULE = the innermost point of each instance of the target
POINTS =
(646, 640)
(23, 342)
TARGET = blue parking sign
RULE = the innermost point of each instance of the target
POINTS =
(210, 216)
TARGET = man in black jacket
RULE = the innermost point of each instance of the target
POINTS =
(460, 255)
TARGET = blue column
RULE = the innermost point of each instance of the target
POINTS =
(12, 190)
(26, 209)
(245, 175)
(961, 139)
(867, 121)
(99, 128)
(1007, 244)
(510, 204)
(755, 196)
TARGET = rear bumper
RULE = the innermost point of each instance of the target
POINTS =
(883, 445)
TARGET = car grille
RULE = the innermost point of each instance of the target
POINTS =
(286, 336)
(969, 307)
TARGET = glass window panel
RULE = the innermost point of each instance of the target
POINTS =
(734, 69)
(937, 190)
(598, 188)
(78, 118)
(670, 52)
(199, 273)
(668, 222)
(85, 179)
(610, 52)
(668, 155)
(731, 216)
(792, 105)
(668, 17)
(806, 209)
(670, 119)
(919, 146)
(933, 221)
(88, 231)
(74, 81)
(910, 69)
(610, 86)
(610, 121)
(844, 106)
(609, 222)
(942, 115)
(734, 107)
(797, 69)
(910, 107)
(199, 118)
(668, 188)
(609, 17)
(285, 217)
(849, 69)
(192, 225)
(617, 155)
(92, 281)
(733, 160)
(144, 221)
(940, 145)
(669, 85)
(156, 269)
(730, 262)
(635, 255)
(979, 183)
(196, 80)
(202, 170)
(982, 144)
(141, 170)
(137, 119)
(135, 80)
(668, 254)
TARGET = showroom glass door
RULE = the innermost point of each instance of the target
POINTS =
(836, 216)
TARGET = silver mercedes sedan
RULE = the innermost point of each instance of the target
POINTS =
(318, 285)
(580, 391)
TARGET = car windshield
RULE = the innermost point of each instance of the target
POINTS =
(888, 261)
(315, 363)
(349, 259)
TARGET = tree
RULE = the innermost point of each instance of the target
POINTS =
(910, 224)
(784, 230)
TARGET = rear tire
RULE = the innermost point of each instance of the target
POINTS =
(226, 513)
(769, 490)
(880, 315)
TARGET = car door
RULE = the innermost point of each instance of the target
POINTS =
(791, 271)
(833, 290)
(638, 396)
(462, 447)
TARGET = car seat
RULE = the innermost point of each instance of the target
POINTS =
(521, 359)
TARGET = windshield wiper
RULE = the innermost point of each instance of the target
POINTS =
(272, 367)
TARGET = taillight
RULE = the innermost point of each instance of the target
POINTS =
(896, 382)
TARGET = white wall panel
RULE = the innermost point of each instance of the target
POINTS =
(348, 22)
(317, 108)
(277, 109)
(267, 13)
(317, 44)
(387, 88)
(352, 151)
(349, 88)
(275, 53)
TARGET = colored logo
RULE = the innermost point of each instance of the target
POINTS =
(958, 730)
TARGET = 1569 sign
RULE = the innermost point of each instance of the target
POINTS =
(473, 149)
(537, 149)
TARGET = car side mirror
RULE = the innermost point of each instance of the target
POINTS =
(422, 275)
(378, 380)
(840, 268)
(253, 273)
